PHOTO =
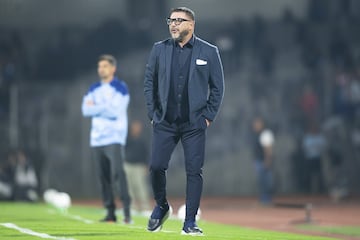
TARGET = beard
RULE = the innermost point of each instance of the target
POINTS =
(181, 36)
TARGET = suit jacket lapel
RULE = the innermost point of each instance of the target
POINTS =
(195, 55)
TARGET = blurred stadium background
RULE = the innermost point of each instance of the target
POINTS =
(297, 63)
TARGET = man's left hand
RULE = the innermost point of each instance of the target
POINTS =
(207, 122)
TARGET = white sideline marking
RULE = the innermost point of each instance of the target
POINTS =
(33, 233)
(79, 218)
(135, 227)
(167, 231)
(75, 217)
(87, 221)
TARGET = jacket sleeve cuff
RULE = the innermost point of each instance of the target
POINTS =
(209, 117)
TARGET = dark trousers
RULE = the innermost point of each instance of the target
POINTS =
(313, 178)
(110, 165)
(165, 138)
(265, 181)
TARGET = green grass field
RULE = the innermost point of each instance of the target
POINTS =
(20, 220)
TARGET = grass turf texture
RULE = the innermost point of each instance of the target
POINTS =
(343, 230)
(45, 219)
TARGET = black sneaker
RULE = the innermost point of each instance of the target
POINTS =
(157, 218)
(109, 218)
(192, 230)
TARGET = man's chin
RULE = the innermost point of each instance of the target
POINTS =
(176, 37)
(103, 77)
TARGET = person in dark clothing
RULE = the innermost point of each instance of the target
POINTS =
(136, 165)
(263, 156)
(314, 144)
(25, 180)
(7, 178)
(184, 88)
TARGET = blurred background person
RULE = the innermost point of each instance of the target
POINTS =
(106, 103)
(25, 180)
(263, 155)
(136, 167)
(7, 177)
(5, 186)
(313, 146)
(337, 183)
(309, 105)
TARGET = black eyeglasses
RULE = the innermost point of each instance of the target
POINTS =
(177, 21)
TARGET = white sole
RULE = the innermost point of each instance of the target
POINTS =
(157, 229)
(192, 234)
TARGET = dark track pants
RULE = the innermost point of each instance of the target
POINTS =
(165, 138)
(109, 160)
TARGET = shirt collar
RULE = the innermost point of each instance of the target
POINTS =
(112, 81)
(190, 43)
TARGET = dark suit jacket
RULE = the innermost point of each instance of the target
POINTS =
(205, 86)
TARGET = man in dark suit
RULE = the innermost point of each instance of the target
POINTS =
(184, 88)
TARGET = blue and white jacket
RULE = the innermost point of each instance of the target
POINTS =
(109, 112)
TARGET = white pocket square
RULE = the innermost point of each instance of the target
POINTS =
(200, 62)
